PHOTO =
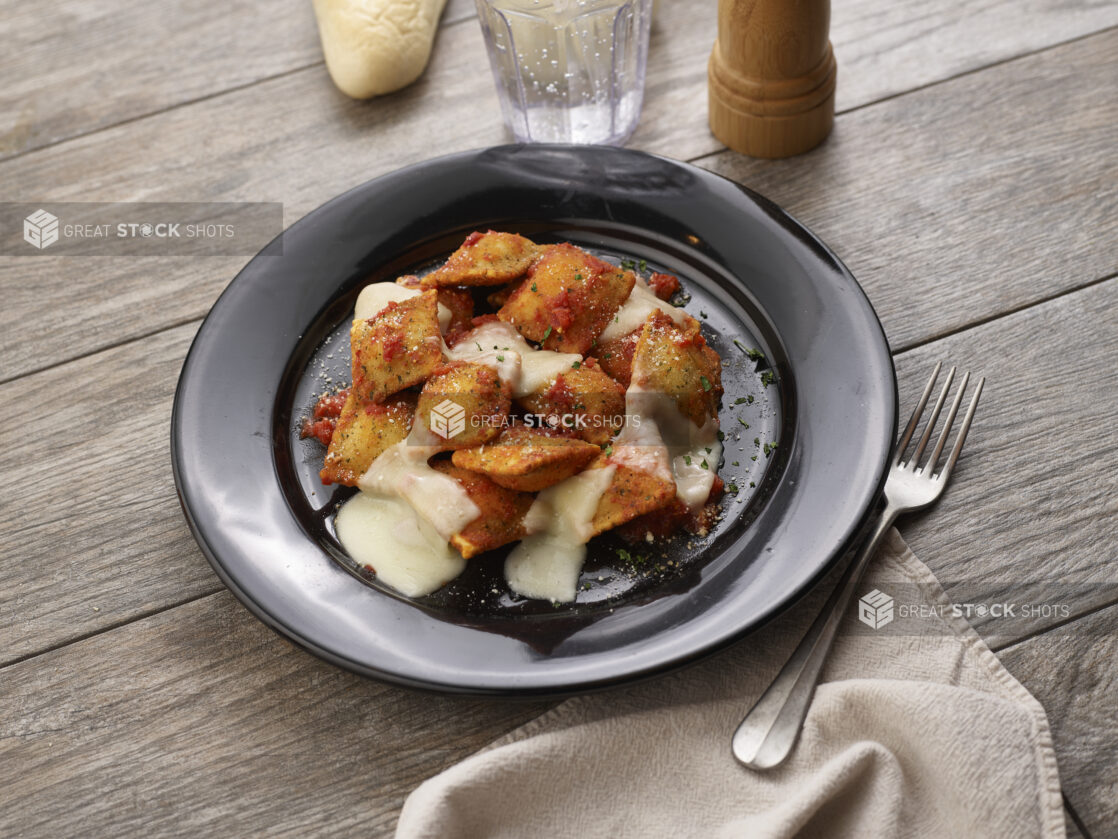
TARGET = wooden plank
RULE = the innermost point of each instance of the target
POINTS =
(91, 527)
(201, 722)
(74, 66)
(884, 49)
(283, 125)
(1072, 672)
(1031, 509)
(970, 198)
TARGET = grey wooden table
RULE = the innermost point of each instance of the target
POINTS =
(971, 184)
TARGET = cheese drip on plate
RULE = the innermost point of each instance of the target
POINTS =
(401, 520)
(405, 551)
(659, 440)
(546, 564)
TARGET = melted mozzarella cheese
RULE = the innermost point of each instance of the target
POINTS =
(496, 344)
(639, 446)
(695, 468)
(659, 440)
(402, 470)
(375, 296)
(521, 365)
(405, 552)
(546, 564)
(640, 303)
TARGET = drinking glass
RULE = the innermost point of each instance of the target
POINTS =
(568, 71)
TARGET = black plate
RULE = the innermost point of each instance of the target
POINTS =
(277, 336)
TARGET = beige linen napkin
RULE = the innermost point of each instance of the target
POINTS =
(917, 734)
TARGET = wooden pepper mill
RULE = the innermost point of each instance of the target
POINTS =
(772, 76)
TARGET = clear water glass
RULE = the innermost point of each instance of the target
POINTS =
(568, 71)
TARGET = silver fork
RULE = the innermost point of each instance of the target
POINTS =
(769, 731)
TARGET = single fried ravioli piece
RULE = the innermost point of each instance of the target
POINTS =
(631, 493)
(502, 511)
(528, 459)
(567, 298)
(363, 432)
(584, 400)
(464, 404)
(675, 360)
(485, 259)
(399, 347)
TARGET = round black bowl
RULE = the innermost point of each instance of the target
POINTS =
(820, 407)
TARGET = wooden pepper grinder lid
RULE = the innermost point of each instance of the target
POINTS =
(772, 76)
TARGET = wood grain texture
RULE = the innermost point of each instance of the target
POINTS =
(946, 218)
(771, 78)
(1072, 672)
(90, 526)
(70, 67)
(201, 722)
(885, 49)
(1031, 514)
(282, 126)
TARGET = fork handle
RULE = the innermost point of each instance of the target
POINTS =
(769, 731)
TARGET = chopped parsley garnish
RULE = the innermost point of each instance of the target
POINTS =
(687, 459)
(547, 334)
(704, 464)
(705, 382)
(768, 377)
(752, 354)
(575, 365)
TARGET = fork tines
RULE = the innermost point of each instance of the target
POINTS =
(929, 467)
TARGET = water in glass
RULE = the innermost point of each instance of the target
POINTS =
(568, 71)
